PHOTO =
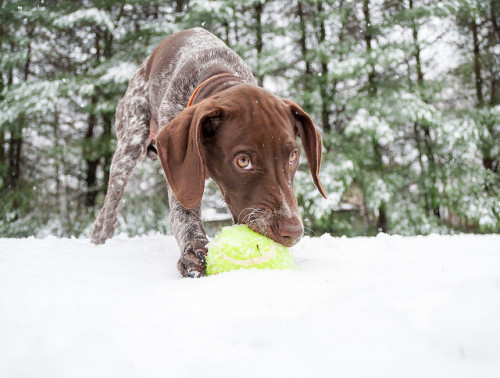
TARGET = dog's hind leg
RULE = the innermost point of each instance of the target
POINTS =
(132, 129)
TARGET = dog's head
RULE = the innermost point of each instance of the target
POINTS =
(245, 138)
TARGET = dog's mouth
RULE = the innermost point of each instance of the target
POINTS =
(266, 223)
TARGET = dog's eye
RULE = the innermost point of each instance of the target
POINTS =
(244, 162)
(294, 157)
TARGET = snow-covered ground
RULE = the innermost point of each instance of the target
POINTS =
(362, 307)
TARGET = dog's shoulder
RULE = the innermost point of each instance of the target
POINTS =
(181, 62)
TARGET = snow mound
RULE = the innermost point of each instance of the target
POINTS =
(361, 307)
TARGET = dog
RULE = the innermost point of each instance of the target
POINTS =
(196, 106)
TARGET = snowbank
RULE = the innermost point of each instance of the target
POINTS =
(362, 307)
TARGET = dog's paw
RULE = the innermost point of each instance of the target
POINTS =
(192, 261)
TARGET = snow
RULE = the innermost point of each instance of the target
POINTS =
(120, 73)
(92, 15)
(380, 307)
(364, 123)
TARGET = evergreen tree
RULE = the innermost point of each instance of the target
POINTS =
(407, 148)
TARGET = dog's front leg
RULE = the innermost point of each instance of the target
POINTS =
(190, 235)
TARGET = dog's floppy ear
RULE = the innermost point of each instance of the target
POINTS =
(311, 141)
(179, 145)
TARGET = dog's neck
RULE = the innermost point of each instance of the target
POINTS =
(214, 82)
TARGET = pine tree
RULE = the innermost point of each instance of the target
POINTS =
(407, 149)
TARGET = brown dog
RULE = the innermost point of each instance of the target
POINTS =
(214, 122)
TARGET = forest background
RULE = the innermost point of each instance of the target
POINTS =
(406, 94)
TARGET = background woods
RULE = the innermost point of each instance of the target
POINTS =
(406, 93)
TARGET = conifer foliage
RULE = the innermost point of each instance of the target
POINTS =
(405, 92)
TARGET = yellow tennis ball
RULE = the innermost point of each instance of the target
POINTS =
(239, 247)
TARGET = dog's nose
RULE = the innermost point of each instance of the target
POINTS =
(290, 230)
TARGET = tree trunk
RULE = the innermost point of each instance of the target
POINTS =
(494, 10)
(107, 118)
(418, 62)
(16, 137)
(259, 7)
(236, 31)
(305, 56)
(108, 153)
(477, 65)
(2, 132)
(15, 148)
(382, 219)
(494, 96)
(323, 83)
(372, 91)
(382, 209)
(432, 172)
(57, 160)
(2, 153)
(89, 154)
(180, 5)
(368, 40)
(227, 41)
(303, 37)
(179, 9)
(425, 143)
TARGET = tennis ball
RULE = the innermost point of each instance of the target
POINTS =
(239, 247)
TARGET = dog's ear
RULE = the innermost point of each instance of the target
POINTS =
(311, 141)
(180, 148)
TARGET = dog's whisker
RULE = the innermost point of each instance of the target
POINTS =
(239, 215)
(309, 232)
(246, 217)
